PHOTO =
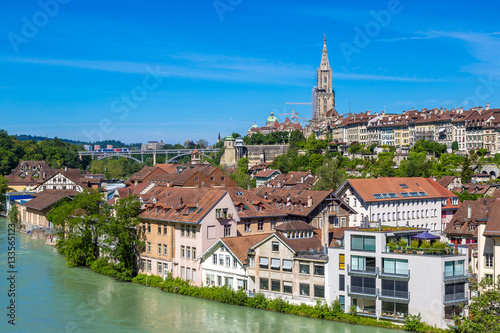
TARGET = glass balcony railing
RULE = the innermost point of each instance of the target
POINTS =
(362, 290)
(456, 297)
(391, 293)
(370, 270)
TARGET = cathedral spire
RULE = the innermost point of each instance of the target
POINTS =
(325, 64)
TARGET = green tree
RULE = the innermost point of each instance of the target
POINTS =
(454, 146)
(467, 170)
(4, 187)
(330, 175)
(484, 310)
(13, 215)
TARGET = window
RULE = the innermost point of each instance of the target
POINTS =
(164, 230)
(273, 224)
(143, 226)
(304, 268)
(275, 264)
(335, 221)
(228, 261)
(183, 251)
(219, 280)
(264, 284)
(264, 262)
(287, 265)
(341, 282)
(221, 259)
(235, 262)
(395, 266)
(149, 228)
(275, 285)
(365, 264)
(227, 230)
(159, 230)
(149, 247)
(165, 252)
(194, 253)
(276, 247)
(183, 272)
(342, 301)
(454, 268)
(188, 231)
(165, 268)
(194, 275)
(159, 249)
(183, 230)
(319, 291)
(247, 227)
(214, 259)
(303, 289)
(188, 252)
(160, 268)
(287, 287)
(319, 269)
(143, 264)
(342, 261)
(260, 225)
(392, 288)
(488, 260)
(363, 243)
(149, 265)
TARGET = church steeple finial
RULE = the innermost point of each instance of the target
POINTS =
(325, 64)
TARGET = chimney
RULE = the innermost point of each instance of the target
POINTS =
(469, 211)
(487, 106)
(309, 202)
(65, 168)
(248, 186)
(461, 110)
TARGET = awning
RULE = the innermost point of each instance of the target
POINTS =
(263, 261)
(287, 264)
(275, 263)
(425, 236)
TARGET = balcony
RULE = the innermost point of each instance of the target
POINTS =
(396, 295)
(456, 298)
(398, 275)
(362, 291)
(367, 312)
(393, 316)
(368, 271)
(457, 277)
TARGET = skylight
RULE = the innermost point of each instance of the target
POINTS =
(403, 185)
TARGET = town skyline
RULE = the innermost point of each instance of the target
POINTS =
(204, 71)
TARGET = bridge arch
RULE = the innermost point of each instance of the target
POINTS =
(180, 155)
(121, 155)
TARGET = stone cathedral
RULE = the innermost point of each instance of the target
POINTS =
(323, 94)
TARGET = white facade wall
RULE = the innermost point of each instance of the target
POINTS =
(233, 275)
(426, 287)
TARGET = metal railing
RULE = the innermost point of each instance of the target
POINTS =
(455, 276)
(456, 297)
(362, 290)
(403, 274)
(367, 270)
(392, 315)
(367, 312)
(395, 294)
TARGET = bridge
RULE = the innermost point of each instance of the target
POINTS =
(170, 154)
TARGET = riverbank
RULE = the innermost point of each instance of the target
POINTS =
(321, 310)
(55, 298)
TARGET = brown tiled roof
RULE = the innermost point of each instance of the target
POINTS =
(493, 225)
(302, 244)
(180, 204)
(480, 212)
(28, 170)
(241, 244)
(266, 173)
(144, 172)
(247, 199)
(293, 202)
(293, 226)
(366, 188)
(445, 180)
(44, 200)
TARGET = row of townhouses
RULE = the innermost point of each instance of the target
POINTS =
(476, 128)
(303, 245)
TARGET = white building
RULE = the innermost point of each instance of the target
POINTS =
(394, 201)
(225, 263)
(365, 274)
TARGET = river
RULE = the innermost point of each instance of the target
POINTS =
(50, 297)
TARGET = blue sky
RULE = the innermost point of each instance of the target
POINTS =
(176, 70)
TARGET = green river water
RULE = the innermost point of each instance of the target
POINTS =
(50, 297)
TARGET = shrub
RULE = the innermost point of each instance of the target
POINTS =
(414, 323)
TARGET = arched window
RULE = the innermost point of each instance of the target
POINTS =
(325, 105)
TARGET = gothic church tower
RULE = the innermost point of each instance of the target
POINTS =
(323, 93)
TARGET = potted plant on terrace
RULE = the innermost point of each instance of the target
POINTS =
(425, 246)
(392, 245)
(414, 245)
(403, 243)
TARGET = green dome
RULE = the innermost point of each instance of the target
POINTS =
(254, 126)
(229, 138)
(272, 118)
